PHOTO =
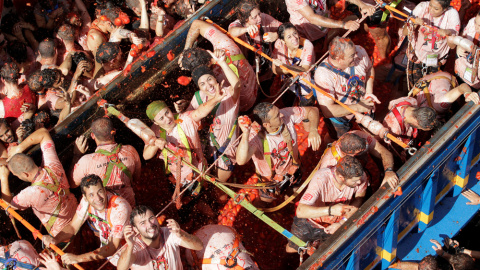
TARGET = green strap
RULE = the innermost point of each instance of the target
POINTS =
(394, 4)
(222, 148)
(233, 58)
(183, 139)
(266, 152)
(199, 99)
(113, 161)
(55, 188)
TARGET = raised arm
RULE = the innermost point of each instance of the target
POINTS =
(308, 13)
(186, 240)
(220, 57)
(37, 137)
(314, 139)
(196, 29)
(128, 257)
(244, 151)
(203, 110)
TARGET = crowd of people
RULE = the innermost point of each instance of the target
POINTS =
(55, 54)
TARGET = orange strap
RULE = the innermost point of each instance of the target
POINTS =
(335, 154)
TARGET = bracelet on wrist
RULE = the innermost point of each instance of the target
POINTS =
(343, 24)
(330, 210)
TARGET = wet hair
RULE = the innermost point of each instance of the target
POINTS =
(338, 46)
(260, 112)
(462, 261)
(444, 3)
(199, 71)
(426, 118)
(35, 81)
(10, 72)
(42, 117)
(433, 263)
(46, 48)
(349, 167)
(18, 51)
(139, 210)
(90, 180)
(351, 143)
(21, 163)
(78, 57)
(29, 127)
(195, 57)
(106, 52)
(66, 32)
(49, 77)
(244, 9)
(110, 10)
(102, 128)
(3, 121)
(284, 27)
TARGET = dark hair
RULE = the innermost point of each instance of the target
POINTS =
(338, 46)
(18, 51)
(351, 143)
(433, 263)
(102, 128)
(35, 81)
(260, 112)
(78, 57)
(282, 28)
(199, 71)
(444, 3)
(195, 57)
(49, 77)
(47, 47)
(349, 167)
(3, 121)
(29, 127)
(66, 32)
(90, 180)
(138, 210)
(10, 72)
(462, 261)
(244, 9)
(426, 118)
(106, 52)
(110, 10)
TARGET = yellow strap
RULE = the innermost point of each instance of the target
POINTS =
(335, 154)
(426, 83)
(183, 139)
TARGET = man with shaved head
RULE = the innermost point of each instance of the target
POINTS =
(49, 194)
(117, 165)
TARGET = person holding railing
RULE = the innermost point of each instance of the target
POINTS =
(347, 75)
(333, 195)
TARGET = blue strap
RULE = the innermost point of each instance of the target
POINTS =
(352, 80)
(12, 263)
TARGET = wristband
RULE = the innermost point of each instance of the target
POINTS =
(343, 24)
(330, 210)
(389, 169)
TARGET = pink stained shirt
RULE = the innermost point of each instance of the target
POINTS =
(222, 125)
(43, 201)
(391, 121)
(424, 46)
(115, 216)
(280, 156)
(218, 242)
(334, 84)
(248, 92)
(311, 31)
(22, 251)
(321, 191)
(461, 64)
(166, 257)
(437, 88)
(269, 24)
(190, 128)
(96, 163)
(307, 58)
(328, 160)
